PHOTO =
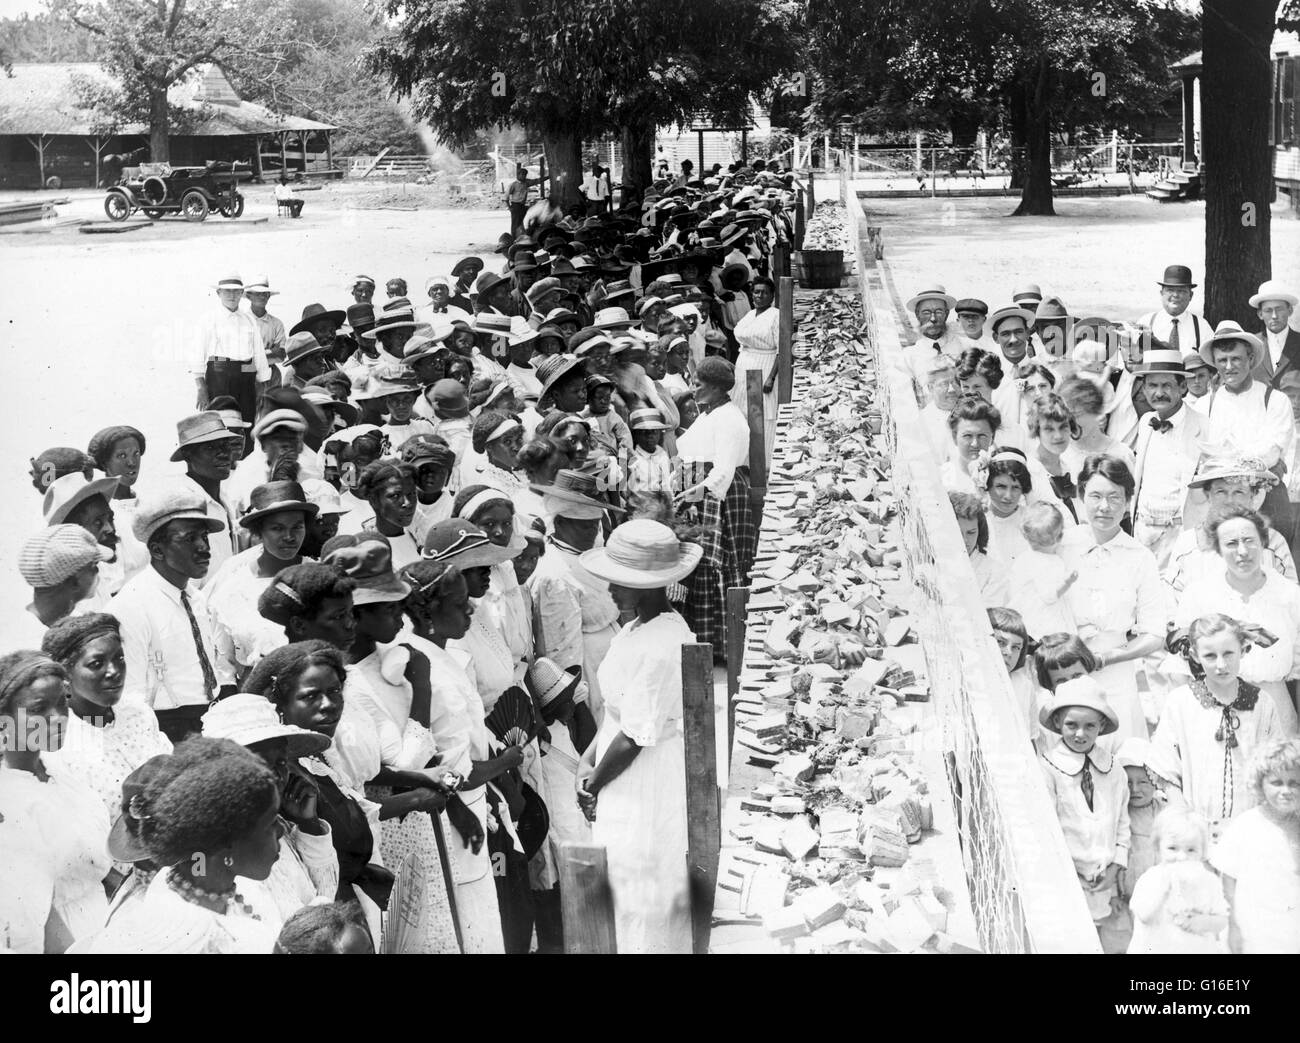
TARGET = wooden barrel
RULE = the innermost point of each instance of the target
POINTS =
(821, 269)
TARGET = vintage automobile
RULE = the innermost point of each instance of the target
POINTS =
(192, 192)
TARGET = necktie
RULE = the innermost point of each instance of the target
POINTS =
(935, 344)
(1160, 426)
(1085, 780)
(209, 675)
(1173, 335)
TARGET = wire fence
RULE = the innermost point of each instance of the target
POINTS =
(1024, 892)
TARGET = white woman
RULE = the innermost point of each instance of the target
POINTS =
(1087, 404)
(980, 372)
(1266, 603)
(972, 425)
(632, 779)
(107, 738)
(1118, 600)
(53, 831)
(759, 336)
(1007, 484)
(1054, 429)
(1032, 382)
(973, 524)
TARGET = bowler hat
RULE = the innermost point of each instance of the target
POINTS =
(1178, 275)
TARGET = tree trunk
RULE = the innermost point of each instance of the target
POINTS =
(1236, 83)
(638, 141)
(564, 167)
(159, 141)
(1036, 193)
(1017, 125)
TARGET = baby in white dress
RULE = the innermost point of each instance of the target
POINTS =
(1039, 576)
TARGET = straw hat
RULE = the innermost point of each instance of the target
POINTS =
(934, 293)
(642, 554)
(247, 719)
(574, 489)
(208, 426)
(492, 323)
(323, 496)
(271, 497)
(1229, 332)
(1028, 294)
(646, 420)
(1011, 312)
(368, 562)
(397, 314)
(612, 318)
(552, 368)
(548, 681)
(56, 553)
(66, 494)
(229, 282)
(1080, 691)
(259, 284)
(1161, 360)
(1214, 470)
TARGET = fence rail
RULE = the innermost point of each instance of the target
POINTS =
(1024, 892)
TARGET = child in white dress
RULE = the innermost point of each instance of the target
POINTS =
(1013, 642)
(1259, 856)
(1178, 905)
(1039, 576)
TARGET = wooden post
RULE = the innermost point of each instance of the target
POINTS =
(785, 351)
(736, 622)
(844, 184)
(799, 221)
(257, 158)
(703, 818)
(38, 143)
(757, 440)
(97, 145)
(857, 160)
(586, 902)
(284, 159)
(302, 143)
(812, 197)
(744, 146)
(329, 150)
(699, 171)
(826, 151)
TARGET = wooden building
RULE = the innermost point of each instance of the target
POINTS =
(1284, 125)
(47, 139)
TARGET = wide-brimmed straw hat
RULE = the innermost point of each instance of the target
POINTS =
(68, 493)
(1161, 360)
(1011, 312)
(552, 368)
(463, 544)
(1213, 470)
(642, 554)
(397, 314)
(259, 284)
(1079, 691)
(934, 293)
(574, 489)
(1228, 332)
(611, 318)
(271, 497)
(247, 719)
(547, 680)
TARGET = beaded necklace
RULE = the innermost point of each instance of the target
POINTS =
(218, 902)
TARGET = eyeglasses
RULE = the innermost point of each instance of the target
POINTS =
(933, 313)
(1110, 499)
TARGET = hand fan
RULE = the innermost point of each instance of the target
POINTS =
(513, 720)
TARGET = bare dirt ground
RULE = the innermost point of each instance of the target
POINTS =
(1102, 256)
(97, 328)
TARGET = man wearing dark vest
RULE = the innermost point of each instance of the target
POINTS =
(1175, 323)
(1274, 304)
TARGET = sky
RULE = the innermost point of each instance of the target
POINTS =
(13, 8)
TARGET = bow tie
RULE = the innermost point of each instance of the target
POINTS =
(1161, 426)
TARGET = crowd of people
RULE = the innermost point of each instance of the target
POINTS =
(403, 610)
(1126, 492)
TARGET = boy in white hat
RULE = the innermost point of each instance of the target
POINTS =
(259, 293)
(1089, 790)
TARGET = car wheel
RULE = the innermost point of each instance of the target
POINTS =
(117, 206)
(194, 207)
(233, 210)
(54, 182)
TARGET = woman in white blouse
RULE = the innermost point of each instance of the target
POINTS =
(107, 738)
(714, 453)
(1253, 595)
(1118, 592)
(759, 336)
(53, 831)
(974, 528)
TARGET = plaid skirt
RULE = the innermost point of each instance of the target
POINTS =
(730, 541)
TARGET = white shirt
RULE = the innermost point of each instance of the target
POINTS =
(595, 188)
(162, 661)
(650, 471)
(227, 334)
(918, 355)
(720, 438)
(1193, 330)
(1276, 343)
(1249, 427)
(524, 381)
(1168, 463)
(223, 545)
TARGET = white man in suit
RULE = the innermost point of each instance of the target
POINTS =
(1171, 441)
(1275, 304)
